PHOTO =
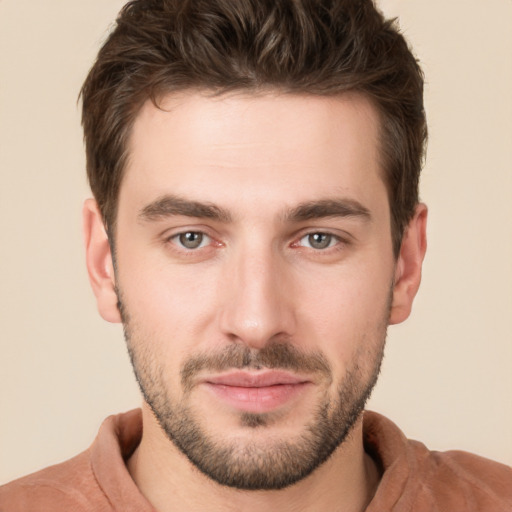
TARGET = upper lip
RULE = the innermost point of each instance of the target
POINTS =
(259, 379)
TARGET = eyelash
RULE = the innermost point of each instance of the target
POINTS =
(335, 242)
(175, 239)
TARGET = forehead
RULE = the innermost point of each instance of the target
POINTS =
(222, 146)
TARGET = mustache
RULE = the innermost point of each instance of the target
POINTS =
(276, 355)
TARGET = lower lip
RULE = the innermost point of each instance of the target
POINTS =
(257, 399)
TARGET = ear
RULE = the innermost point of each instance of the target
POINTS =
(99, 262)
(408, 266)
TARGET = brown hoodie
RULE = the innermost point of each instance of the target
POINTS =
(414, 479)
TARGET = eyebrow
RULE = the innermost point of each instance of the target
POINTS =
(325, 208)
(171, 205)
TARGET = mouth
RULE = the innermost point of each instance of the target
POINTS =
(256, 392)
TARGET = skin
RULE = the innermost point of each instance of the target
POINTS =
(256, 278)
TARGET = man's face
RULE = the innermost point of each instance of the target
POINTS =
(255, 272)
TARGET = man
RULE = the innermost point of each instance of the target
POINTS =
(255, 228)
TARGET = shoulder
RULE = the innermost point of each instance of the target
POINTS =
(416, 478)
(476, 482)
(97, 479)
(70, 485)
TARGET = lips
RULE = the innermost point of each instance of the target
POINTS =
(256, 392)
(256, 380)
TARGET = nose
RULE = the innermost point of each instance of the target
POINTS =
(257, 306)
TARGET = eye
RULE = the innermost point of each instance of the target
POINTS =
(191, 240)
(318, 240)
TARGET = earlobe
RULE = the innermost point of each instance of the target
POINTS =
(408, 265)
(99, 262)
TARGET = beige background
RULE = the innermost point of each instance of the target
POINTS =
(447, 377)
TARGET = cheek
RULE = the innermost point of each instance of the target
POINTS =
(347, 311)
(166, 302)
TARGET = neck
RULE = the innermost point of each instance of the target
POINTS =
(346, 481)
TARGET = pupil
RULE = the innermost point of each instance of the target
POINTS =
(191, 240)
(319, 240)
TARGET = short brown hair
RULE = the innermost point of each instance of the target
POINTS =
(320, 47)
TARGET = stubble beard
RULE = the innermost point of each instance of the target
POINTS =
(254, 466)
